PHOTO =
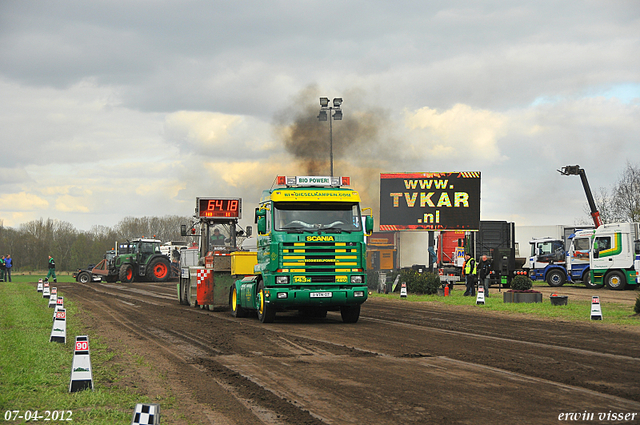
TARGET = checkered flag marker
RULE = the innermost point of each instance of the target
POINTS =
(148, 414)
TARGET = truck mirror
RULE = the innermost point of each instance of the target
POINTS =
(259, 213)
(262, 225)
(368, 225)
(248, 231)
(183, 230)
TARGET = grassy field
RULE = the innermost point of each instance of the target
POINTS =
(35, 373)
(575, 310)
(34, 276)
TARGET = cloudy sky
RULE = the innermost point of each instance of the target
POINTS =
(134, 108)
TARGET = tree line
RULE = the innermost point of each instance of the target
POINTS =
(31, 243)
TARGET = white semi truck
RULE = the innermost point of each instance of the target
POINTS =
(615, 259)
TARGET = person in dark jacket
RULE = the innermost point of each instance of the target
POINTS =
(52, 269)
(484, 274)
(8, 264)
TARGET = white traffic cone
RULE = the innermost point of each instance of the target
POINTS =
(53, 297)
(39, 287)
(59, 329)
(596, 311)
(480, 296)
(403, 290)
(81, 377)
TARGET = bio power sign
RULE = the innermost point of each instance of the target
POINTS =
(430, 201)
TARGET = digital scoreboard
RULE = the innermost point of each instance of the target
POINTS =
(219, 207)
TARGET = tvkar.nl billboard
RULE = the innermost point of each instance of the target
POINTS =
(430, 201)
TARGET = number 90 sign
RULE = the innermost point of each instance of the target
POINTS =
(82, 345)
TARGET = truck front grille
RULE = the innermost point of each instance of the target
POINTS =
(334, 257)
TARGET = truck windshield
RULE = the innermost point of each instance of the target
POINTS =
(332, 217)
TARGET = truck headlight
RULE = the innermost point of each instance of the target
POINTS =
(282, 280)
(357, 279)
(282, 295)
(358, 294)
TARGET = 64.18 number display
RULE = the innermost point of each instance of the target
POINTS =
(219, 207)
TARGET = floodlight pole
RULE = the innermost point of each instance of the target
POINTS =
(324, 108)
(330, 142)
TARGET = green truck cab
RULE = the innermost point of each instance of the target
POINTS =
(311, 253)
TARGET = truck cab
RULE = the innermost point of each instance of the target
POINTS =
(547, 261)
(579, 255)
(311, 253)
(615, 259)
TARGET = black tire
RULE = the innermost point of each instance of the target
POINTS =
(84, 277)
(587, 282)
(236, 310)
(182, 292)
(111, 279)
(126, 273)
(350, 313)
(159, 270)
(266, 313)
(615, 280)
(556, 278)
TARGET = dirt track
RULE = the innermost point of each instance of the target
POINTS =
(401, 363)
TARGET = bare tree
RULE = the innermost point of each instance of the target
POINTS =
(622, 203)
(609, 213)
(626, 195)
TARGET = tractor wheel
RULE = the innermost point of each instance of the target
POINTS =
(236, 309)
(266, 313)
(111, 279)
(350, 313)
(126, 273)
(159, 270)
(616, 280)
(555, 278)
(84, 277)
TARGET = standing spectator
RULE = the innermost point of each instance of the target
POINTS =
(484, 274)
(8, 263)
(469, 275)
(2, 269)
(52, 269)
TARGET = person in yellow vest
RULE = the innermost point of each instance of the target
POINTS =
(470, 271)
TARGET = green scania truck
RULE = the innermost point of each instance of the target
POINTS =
(311, 253)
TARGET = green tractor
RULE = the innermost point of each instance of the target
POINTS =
(136, 260)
